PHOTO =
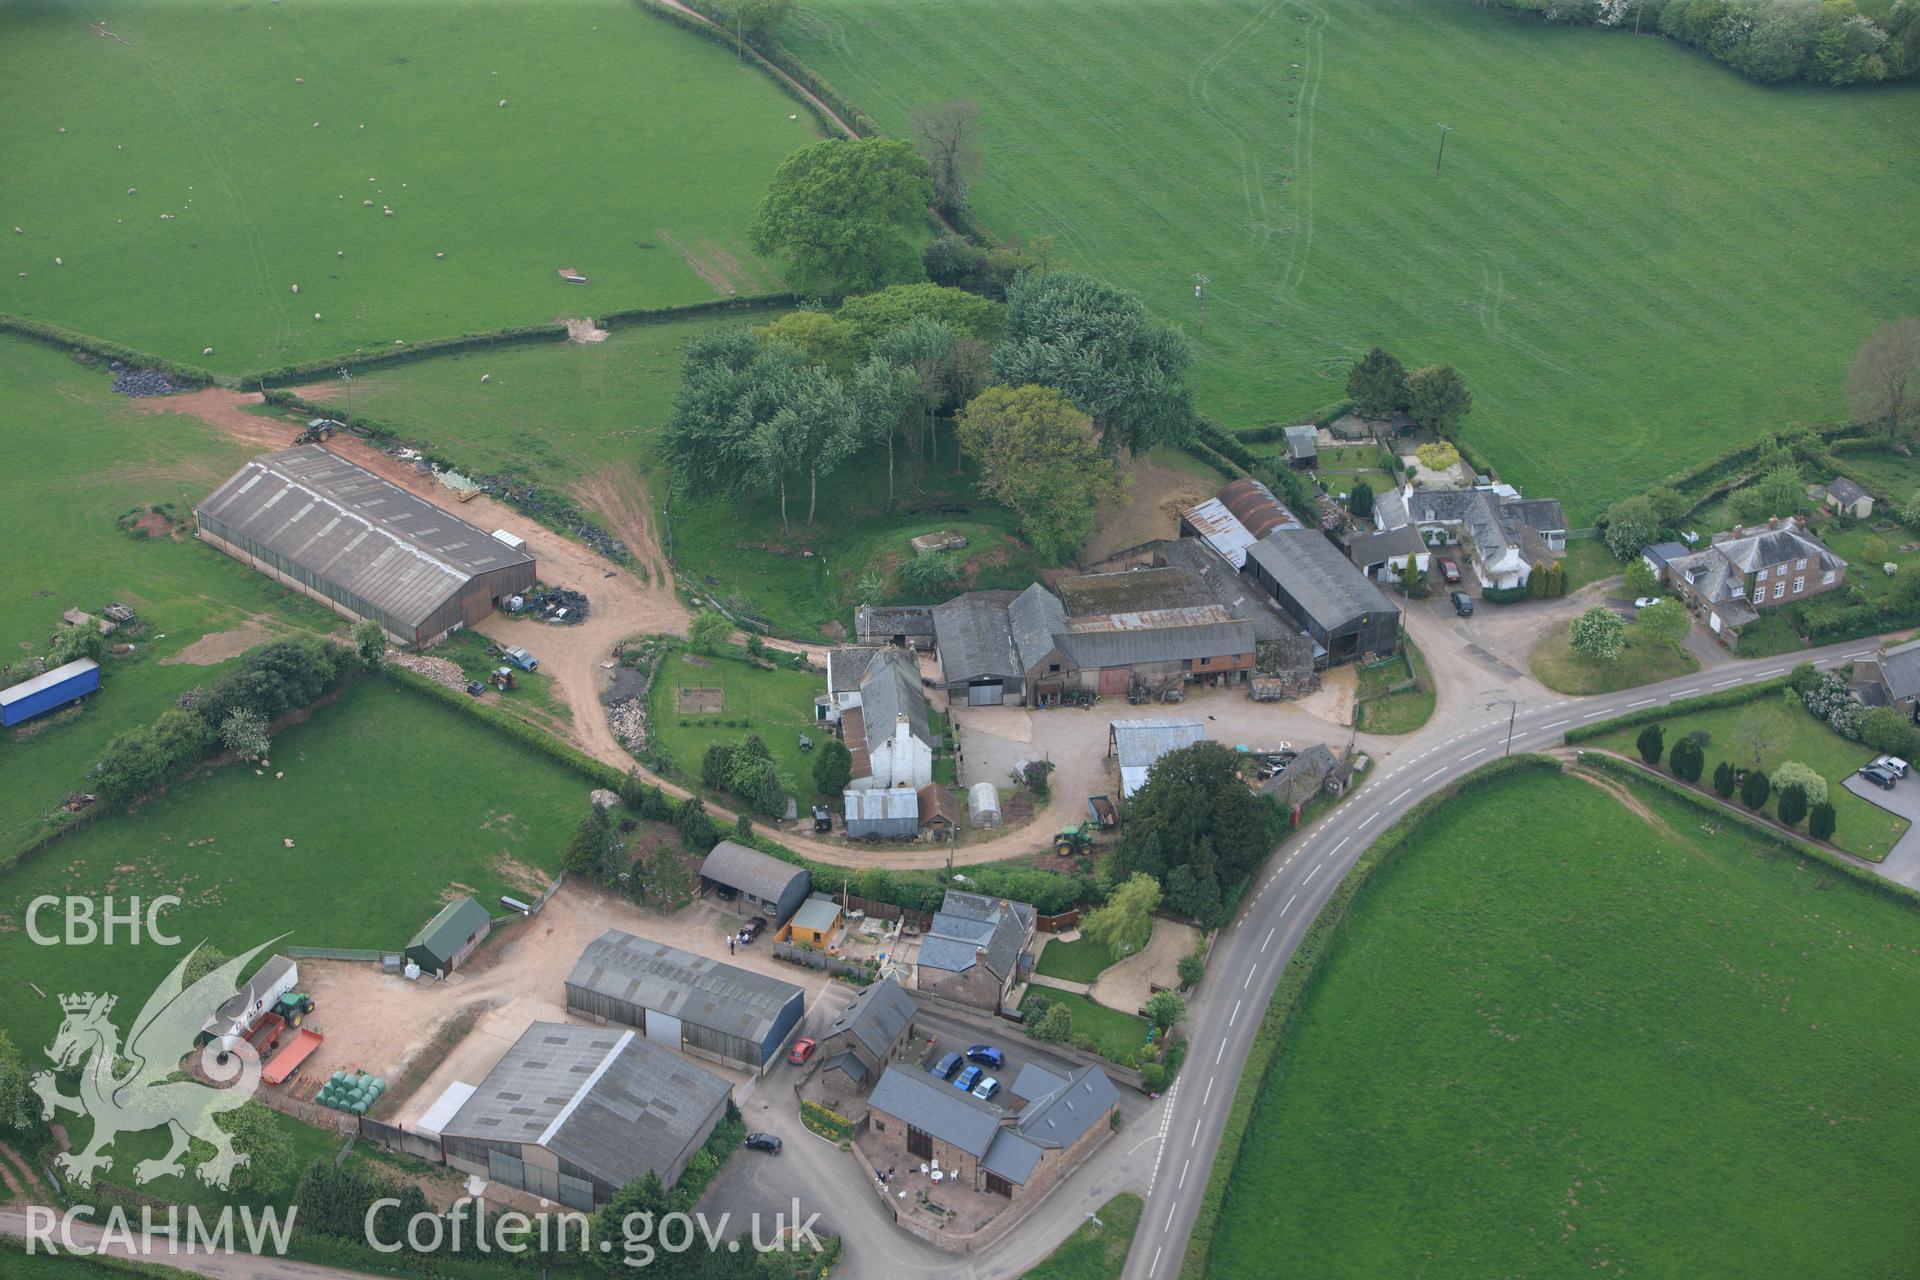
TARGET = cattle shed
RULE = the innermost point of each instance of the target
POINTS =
(362, 546)
(700, 1006)
(450, 937)
(575, 1113)
(1341, 610)
(764, 885)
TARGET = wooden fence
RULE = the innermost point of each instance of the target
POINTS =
(1058, 924)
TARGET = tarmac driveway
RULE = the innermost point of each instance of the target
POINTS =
(1902, 865)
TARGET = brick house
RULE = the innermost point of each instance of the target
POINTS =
(872, 1032)
(912, 1118)
(971, 951)
(1744, 571)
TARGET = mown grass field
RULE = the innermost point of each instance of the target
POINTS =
(777, 705)
(1636, 258)
(1642, 661)
(1116, 1035)
(1864, 828)
(1557, 1039)
(1081, 960)
(392, 801)
(585, 419)
(78, 457)
(628, 149)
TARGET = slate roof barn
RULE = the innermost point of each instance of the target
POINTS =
(699, 1005)
(771, 887)
(574, 1113)
(361, 545)
(1342, 611)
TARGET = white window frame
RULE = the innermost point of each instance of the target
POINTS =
(1779, 589)
(1799, 585)
(1826, 579)
(1800, 563)
(1761, 576)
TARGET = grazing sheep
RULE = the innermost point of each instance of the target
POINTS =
(206, 351)
(131, 190)
(296, 288)
(503, 102)
(366, 204)
(58, 263)
(439, 255)
(316, 315)
(486, 377)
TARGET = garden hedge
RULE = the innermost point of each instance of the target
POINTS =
(381, 358)
(1303, 967)
(695, 310)
(1678, 707)
(1209, 433)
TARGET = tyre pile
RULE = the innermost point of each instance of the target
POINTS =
(140, 383)
(557, 604)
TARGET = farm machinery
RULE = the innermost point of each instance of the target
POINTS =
(1075, 840)
(268, 1016)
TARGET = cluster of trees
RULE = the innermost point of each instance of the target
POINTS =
(746, 769)
(1435, 397)
(1799, 791)
(1196, 830)
(1772, 41)
(234, 711)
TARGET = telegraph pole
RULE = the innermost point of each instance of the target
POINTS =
(1445, 129)
(1200, 283)
(349, 378)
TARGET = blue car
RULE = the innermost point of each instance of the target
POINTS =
(987, 1056)
(944, 1069)
(967, 1079)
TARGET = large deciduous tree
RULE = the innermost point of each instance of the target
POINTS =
(1665, 621)
(823, 340)
(1883, 386)
(1196, 828)
(1377, 383)
(1124, 922)
(813, 433)
(883, 395)
(1437, 398)
(846, 214)
(871, 315)
(731, 385)
(1038, 455)
(946, 132)
(1631, 524)
(1097, 346)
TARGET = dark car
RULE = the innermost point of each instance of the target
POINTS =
(1462, 603)
(725, 892)
(751, 929)
(987, 1056)
(944, 1069)
(1879, 777)
(767, 1142)
(475, 688)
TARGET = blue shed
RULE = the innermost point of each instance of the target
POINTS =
(43, 693)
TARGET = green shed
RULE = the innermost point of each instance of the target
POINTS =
(450, 937)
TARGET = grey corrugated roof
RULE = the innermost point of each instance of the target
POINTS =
(345, 525)
(1034, 618)
(1303, 442)
(1900, 669)
(816, 913)
(894, 619)
(253, 989)
(974, 638)
(603, 1098)
(1220, 529)
(1140, 742)
(1090, 649)
(933, 1106)
(969, 923)
(891, 689)
(751, 871)
(876, 1016)
(1255, 507)
(1382, 545)
(872, 804)
(1321, 580)
(696, 989)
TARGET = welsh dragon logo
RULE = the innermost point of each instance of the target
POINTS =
(141, 1086)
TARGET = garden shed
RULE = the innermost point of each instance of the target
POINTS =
(761, 884)
(450, 937)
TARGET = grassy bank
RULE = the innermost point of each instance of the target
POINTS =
(1641, 661)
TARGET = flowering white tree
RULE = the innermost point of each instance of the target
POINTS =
(1598, 633)
(244, 733)
(1792, 773)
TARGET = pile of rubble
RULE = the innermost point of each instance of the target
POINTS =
(557, 511)
(140, 383)
(556, 604)
(629, 723)
(438, 670)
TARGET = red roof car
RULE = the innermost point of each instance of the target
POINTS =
(802, 1050)
(1448, 569)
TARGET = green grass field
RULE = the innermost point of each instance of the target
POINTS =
(1555, 1039)
(391, 800)
(1602, 226)
(777, 705)
(1864, 828)
(78, 457)
(629, 149)
(1641, 661)
(1081, 960)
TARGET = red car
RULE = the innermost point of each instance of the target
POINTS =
(1448, 569)
(801, 1051)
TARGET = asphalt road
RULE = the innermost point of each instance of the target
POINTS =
(1251, 953)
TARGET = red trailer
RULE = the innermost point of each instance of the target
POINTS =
(288, 1060)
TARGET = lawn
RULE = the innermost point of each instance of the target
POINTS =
(513, 139)
(1555, 1039)
(1864, 828)
(1601, 224)
(391, 801)
(1588, 560)
(1095, 1252)
(1081, 960)
(777, 705)
(1896, 474)
(1402, 712)
(78, 458)
(1641, 661)
(1116, 1036)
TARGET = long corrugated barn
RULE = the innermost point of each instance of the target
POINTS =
(360, 545)
(700, 1006)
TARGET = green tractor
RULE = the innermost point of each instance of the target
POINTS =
(1075, 840)
(293, 1007)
